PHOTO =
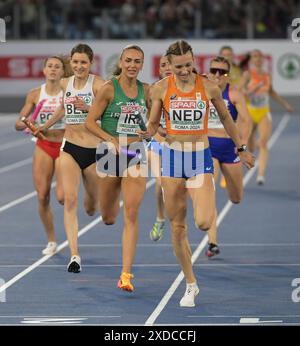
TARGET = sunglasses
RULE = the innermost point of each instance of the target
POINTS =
(221, 71)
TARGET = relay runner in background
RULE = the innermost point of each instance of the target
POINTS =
(46, 155)
(222, 147)
(154, 154)
(257, 85)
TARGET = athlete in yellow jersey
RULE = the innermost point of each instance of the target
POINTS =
(257, 85)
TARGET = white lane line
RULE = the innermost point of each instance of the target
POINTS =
(15, 165)
(146, 265)
(156, 245)
(59, 248)
(15, 143)
(21, 200)
(255, 320)
(161, 305)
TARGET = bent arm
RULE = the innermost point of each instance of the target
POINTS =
(26, 110)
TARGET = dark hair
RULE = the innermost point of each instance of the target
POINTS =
(179, 48)
(222, 60)
(244, 62)
(117, 69)
(83, 48)
(65, 60)
(225, 47)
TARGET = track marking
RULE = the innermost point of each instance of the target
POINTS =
(59, 248)
(15, 165)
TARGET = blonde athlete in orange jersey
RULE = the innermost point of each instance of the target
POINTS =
(187, 165)
(258, 87)
(156, 232)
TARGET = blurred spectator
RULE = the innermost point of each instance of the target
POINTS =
(130, 19)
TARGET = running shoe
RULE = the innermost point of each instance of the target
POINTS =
(212, 250)
(157, 231)
(124, 282)
(50, 248)
(260, 180)
(188, 300)
(223, 182)
(74, 265)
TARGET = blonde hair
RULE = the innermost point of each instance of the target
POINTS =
(117, 69)
(65, 60)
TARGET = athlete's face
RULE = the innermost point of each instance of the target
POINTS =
(219, 73)
(131, 62)
(257, 58)
(227, 54)
(182, 66)
(81, 65)
(54, 69)
(164, 67)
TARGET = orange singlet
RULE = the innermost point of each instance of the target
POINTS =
(186, 113)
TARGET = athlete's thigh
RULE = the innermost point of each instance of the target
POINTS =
(133, 189)
(109, 189)
(70, 174)
(59, 187)
(203, 194)
(175, 197)
(90, 181)
(265, 129)
(42, 170)
(216, 168)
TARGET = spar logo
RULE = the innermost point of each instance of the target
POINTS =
(186, 111)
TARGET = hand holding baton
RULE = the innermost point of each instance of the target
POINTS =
(35, 114)
(32, 128)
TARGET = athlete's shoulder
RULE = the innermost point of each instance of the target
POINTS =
(162, 83)
(98, 79)
(34, 94)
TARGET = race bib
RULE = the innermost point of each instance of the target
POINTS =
(259, 101)
(214, 121)
(187, 115)
(128, 122)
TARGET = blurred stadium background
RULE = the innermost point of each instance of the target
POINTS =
(37, 28)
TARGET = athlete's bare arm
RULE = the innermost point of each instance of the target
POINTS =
(279, 98)
(30, 101)
(157, 95)
(245, 121)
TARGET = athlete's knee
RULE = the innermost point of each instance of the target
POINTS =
(90, 208)
(43, 198)
(70, 202)
(263, 143)
(61, 200)
(179, 230)
(131, 214)
(204, 223)
(236, 198)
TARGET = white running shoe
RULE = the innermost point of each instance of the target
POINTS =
(50, 248)
(74, 265)
(188, 300)
(260, 180)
